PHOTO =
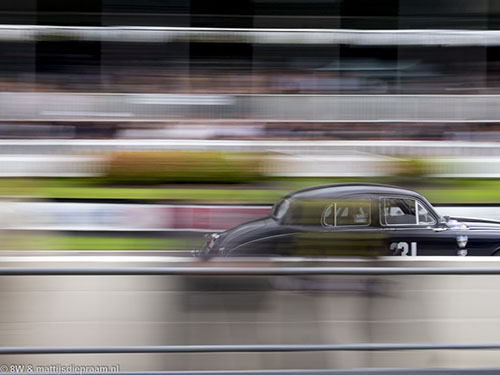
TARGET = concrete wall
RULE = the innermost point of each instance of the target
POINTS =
(64, 310)
(24, 106)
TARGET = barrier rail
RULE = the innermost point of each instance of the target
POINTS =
(415, 371)
(203, 270)
(449, 37)
(375, 347)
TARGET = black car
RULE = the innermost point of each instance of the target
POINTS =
(356, 220)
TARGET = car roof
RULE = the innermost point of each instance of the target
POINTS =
(333, 191)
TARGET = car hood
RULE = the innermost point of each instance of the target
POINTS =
(246, 230)
(477, 223)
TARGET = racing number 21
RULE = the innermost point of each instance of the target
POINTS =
(404, 247)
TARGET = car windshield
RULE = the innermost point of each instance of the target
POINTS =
(281, 208)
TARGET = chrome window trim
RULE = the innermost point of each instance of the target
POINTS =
(429, 212)
(383, 223)
(324, 224)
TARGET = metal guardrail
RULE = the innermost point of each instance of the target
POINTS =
(370, 347)
(205, 270)
(394, 371)
(449, 37)
(267, 348)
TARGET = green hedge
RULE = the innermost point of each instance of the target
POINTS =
(147, 168)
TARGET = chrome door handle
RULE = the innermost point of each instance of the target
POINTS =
(439, 229)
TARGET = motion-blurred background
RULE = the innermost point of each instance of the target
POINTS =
(144, 124)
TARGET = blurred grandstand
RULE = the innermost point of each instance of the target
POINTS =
(257, 69)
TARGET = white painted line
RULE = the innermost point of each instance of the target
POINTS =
(93, 259)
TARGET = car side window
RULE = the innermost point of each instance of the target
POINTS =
(356, 212)
(398, 211)
(304, 212)
(405, 211)
(424, 216)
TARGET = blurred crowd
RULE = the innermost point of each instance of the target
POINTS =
(250, 130)
(257, 81)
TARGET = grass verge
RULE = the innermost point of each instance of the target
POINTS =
(62, 242)
(436, 190)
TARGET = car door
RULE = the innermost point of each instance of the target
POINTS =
(413, 229)
(346, 229)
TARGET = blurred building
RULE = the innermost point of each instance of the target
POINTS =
(228, 63)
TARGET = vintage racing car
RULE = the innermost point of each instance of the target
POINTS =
(355, 220)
